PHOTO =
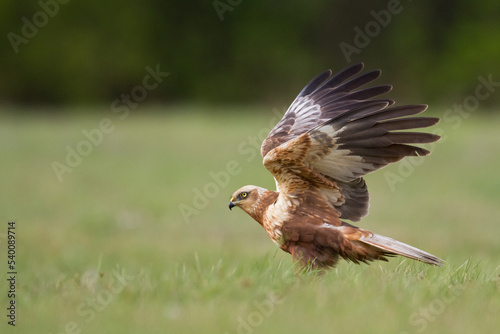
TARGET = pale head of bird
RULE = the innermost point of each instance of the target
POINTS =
(247, 198)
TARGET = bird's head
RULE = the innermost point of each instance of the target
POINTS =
(247, 198)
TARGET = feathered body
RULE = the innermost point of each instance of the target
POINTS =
(330, 137)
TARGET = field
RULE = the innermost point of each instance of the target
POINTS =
(122, 226)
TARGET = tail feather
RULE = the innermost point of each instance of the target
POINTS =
(391, 246)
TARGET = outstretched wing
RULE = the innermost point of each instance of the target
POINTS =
(334, 133)
(325, 97)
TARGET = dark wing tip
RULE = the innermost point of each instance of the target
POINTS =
(357, 67)
(435, 120)
(420, 107)
(327, 78)
(316, 82)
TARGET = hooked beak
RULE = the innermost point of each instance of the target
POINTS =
(231, 203)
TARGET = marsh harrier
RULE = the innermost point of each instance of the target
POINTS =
(329, 138)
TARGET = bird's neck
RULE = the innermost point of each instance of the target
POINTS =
(266, 199)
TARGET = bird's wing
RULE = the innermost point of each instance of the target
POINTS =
(334, 133)
(323, 98)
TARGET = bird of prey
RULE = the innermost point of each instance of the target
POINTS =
(333, 134)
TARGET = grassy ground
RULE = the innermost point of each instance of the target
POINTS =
(138, 236)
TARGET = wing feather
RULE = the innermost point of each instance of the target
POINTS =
(323, 98)
(348, 85)
(336, 79)
(315, 83)
(334, 133)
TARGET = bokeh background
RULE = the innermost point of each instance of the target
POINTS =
(125, 127)
(240, 51)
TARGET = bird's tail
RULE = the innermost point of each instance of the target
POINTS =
(391, 246)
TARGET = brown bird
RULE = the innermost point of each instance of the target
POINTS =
(330, 136)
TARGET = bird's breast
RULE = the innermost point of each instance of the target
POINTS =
(277, 215)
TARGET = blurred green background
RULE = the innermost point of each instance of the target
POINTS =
(126, 126)
(86, 52)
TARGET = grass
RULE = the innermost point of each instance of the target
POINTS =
(108, 249)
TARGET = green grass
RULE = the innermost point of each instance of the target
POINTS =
(118, 212)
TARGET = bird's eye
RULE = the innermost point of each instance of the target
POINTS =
(244, 194)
